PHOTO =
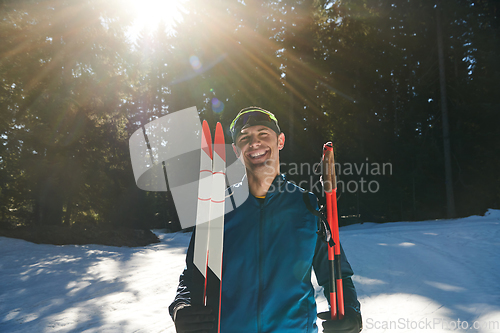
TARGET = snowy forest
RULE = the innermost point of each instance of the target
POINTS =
(409, 84)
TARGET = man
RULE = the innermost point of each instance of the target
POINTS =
(270, 247)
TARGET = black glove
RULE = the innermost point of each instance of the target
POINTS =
(194, 318)
(351, 323)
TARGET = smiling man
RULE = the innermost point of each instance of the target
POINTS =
(257, 141)
(271, 246)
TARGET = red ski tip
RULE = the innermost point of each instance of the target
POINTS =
(206, 140)
(328, 146)
(219, 147)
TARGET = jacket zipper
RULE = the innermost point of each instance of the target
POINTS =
(259, 297)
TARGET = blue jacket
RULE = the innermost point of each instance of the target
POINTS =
(270, 248)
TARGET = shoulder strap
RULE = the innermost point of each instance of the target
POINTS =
(324, 228)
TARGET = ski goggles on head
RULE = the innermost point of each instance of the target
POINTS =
(252, 117)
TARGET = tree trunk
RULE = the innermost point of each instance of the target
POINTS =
(50, 203)
(450, 211)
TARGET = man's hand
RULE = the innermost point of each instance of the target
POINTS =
(351, 323)
(194, 318)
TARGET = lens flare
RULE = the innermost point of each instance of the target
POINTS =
(195, 63)
(217, 106)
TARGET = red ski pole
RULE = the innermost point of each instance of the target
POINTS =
(330, 189)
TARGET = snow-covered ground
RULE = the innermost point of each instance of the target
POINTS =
(435, 276)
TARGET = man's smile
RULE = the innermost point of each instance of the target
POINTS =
(257, 153)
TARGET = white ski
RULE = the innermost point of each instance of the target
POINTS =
(209, 238)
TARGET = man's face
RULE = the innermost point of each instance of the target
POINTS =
(258, 147)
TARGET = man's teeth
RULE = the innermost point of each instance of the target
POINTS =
(257, 154)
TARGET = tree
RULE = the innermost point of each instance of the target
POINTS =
(63, 62)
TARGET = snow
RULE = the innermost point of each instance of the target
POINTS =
(435, 276)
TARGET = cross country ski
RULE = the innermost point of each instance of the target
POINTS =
(209, 239)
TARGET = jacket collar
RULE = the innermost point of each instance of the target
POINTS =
(277, 186)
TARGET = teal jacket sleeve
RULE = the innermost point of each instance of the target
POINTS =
(322, 271)
(185, 286)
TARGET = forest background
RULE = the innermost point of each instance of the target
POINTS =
(409, 84)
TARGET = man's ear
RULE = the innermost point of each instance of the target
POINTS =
(236, 151)
(281, 140)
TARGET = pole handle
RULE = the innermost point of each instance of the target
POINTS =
(329, 179)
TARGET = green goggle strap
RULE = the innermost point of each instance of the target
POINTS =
(231, 128)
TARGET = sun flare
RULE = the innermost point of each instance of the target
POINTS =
(149, 13)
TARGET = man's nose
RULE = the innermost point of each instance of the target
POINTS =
(254, 140)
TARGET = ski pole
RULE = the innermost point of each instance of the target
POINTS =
(330, 189)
